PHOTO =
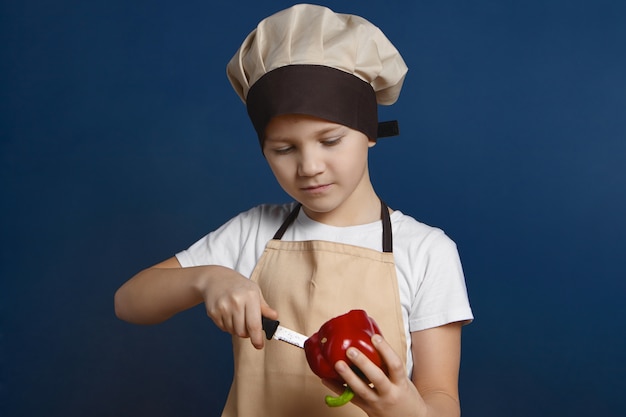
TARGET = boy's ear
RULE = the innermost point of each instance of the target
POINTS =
(371, 143)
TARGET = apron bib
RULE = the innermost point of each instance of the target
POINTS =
(309, 283)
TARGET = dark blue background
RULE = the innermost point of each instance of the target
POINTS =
(122, 143)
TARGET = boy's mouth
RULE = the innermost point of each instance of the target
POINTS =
(316, 188)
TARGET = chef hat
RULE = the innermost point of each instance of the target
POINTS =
(310, 60)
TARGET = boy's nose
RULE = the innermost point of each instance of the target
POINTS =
(310, 164)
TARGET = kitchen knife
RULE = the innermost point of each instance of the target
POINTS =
(273, 330)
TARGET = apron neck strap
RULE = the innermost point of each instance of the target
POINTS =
(384, 216)
(290, 219)
(387, 235)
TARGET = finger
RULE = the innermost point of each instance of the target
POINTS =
(218, 322)
(361, 389)
(268, 311)
(395, 367)
(239, 324)
(218, 317)
(221, 317)
(254, 326)
(227, 324)
(372, 372)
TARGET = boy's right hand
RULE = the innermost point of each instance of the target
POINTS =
(235, 304)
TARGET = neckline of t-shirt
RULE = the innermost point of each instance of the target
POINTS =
(305, 220)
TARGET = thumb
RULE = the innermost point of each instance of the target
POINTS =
(268, 311)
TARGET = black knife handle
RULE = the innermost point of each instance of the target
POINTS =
(270, 327)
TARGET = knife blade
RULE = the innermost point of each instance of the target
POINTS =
(273, 330)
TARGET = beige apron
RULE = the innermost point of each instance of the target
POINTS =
(309, 283)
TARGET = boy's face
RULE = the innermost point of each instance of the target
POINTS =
(321, 164)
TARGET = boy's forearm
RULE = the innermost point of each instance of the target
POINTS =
(441, 404)
(156, 294)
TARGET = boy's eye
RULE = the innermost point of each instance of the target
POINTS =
(283, 150)
(332, 142)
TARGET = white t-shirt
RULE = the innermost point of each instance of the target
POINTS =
(430, 277)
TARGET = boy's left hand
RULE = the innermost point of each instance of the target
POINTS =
(388, 395)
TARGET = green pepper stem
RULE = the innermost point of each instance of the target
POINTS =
(344, 398)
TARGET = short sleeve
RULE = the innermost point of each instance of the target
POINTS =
(238, 243)
(219, 247)
(441, 297)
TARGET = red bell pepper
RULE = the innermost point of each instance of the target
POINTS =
(330, 343)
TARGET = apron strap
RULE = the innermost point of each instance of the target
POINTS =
(384, 216)
(290, 219)
(387, 235)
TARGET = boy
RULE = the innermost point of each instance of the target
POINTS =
(311, 80)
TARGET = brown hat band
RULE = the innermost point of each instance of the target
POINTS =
(314, 90)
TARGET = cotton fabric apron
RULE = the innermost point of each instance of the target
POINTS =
(308, 283)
